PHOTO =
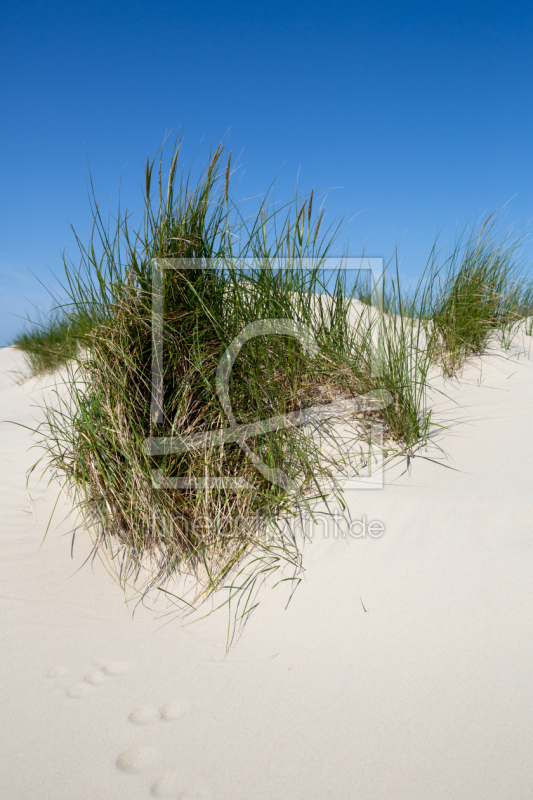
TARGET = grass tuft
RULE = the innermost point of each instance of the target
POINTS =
(372, 349)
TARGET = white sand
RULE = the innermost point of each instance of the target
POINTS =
(426, 695)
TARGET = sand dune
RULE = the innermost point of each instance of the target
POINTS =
(400, 669)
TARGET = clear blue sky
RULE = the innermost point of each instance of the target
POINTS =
(422, 112)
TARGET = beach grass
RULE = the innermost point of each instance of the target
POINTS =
(163, 508)
(481, 291)
(48, 344)
(95, 438)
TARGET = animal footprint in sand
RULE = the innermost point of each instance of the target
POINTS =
(166, 785)
(116, 668)
(92, 679)
(147, 715)
(76, 689)
(137, 759)
(95, 678)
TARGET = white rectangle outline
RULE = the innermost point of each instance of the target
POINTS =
(376, 267)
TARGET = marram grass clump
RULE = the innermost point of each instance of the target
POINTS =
(225, 272)
(481, 291)
(49, 343)
(96, 438)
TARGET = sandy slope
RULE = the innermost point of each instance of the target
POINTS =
(427, 694)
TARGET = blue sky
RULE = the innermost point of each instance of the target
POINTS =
(421, 114)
